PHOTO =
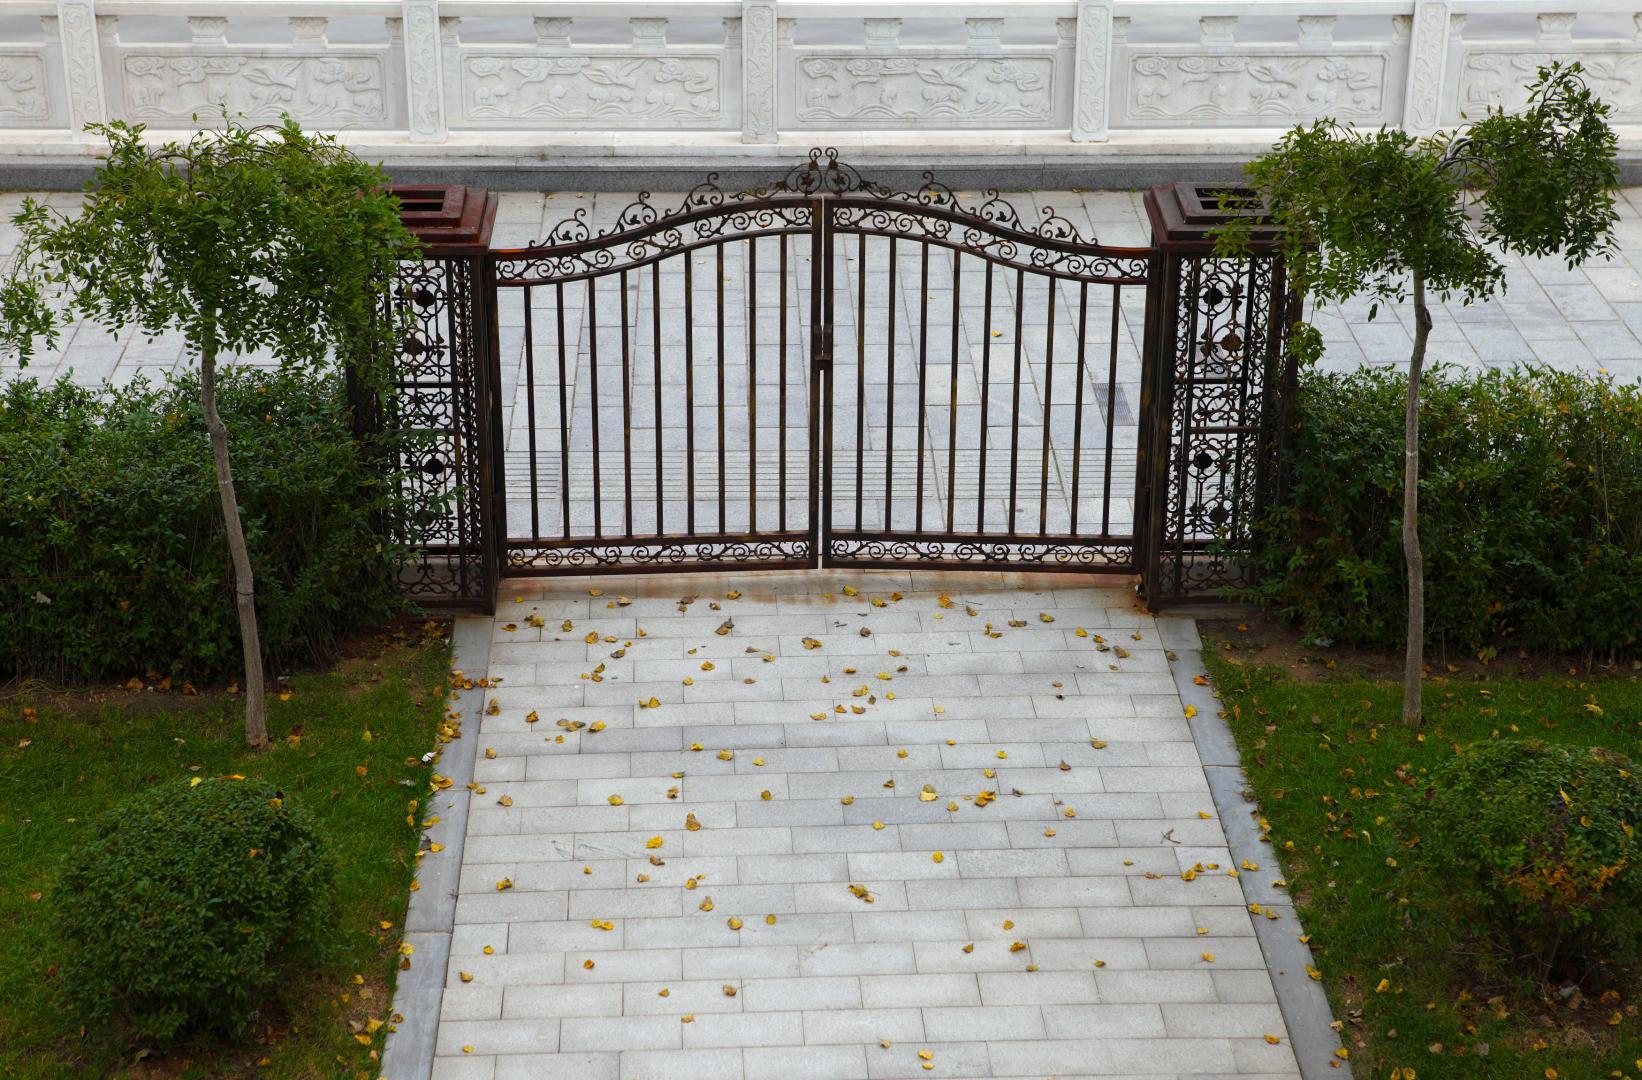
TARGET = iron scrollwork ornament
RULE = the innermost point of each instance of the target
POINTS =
(643, 232)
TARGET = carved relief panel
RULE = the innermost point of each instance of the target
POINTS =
(903, 90)
(617, 90)
(23, 88)
(1253, 87)
(1493, 76)
(328, 91)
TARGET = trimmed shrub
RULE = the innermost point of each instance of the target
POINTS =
(1537, 847)
(113, 560)
(1530, 512)
(178, 913)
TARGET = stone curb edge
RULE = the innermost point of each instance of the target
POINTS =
(533, 171)
(408, 1052)
(1301, 999)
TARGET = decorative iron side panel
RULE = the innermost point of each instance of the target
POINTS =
(1220, 409)
(433, 409)
(1216, 408)
(432, 421)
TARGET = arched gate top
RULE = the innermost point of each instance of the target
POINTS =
(991, 228)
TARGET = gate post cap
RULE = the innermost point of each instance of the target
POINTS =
(448, 219)
(1185, 215)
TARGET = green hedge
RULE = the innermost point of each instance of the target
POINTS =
(113, 561)
(1530, 512)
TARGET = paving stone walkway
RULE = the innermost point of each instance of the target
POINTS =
(844, 826)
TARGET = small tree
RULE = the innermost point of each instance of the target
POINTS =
(241, 239)
(1383, 214)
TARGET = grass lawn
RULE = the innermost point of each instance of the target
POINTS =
(70, 759)
(1327, 758)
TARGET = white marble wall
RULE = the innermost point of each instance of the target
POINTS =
(511, 76)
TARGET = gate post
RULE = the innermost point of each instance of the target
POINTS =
(443, 415)
(1217, 394)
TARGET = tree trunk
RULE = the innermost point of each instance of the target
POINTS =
(1414, 661)
(256, 704)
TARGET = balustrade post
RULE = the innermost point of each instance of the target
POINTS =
(1427, 64)
(758, 54)
(83, 68)
(424, 79)
(1090, 108)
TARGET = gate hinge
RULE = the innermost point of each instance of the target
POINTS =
(823, 348)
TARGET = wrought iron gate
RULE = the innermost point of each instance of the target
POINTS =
(670, 382)
(825, 371)
(1034, 438)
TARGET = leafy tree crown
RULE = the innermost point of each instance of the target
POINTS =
(240, 238)
(1364, 211)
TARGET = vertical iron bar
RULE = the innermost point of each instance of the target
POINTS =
(689, 396)
(1111, 419)
(655, 347)
(889, 416)
(986, 397)
(486, 354)
(860, 370)
(1050, 285)
(564, 418)
(923, 374)
(722, 499)
(626, 414)
(820, 434)
(1015, 403)
(1162, 294)
(593, 388)
(752, 383)
(530, 416)
(952, 400)
(1077, 408)
(781, 423)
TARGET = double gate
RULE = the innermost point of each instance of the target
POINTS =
(828, 372)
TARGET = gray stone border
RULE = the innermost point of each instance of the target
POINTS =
(1304, 1006)
(1026, 170)
(736, 172)
(408, 1052)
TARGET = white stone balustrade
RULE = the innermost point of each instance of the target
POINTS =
(525, 78)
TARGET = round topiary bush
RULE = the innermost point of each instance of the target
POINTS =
(177, 914)
(1536, 847)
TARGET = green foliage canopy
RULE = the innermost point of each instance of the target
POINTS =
(113, 559)
(1536, 846)
(188, 903)
(242, 238)
(1363, 211)
(1532, 488)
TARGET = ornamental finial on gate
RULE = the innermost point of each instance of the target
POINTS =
(824, 174)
